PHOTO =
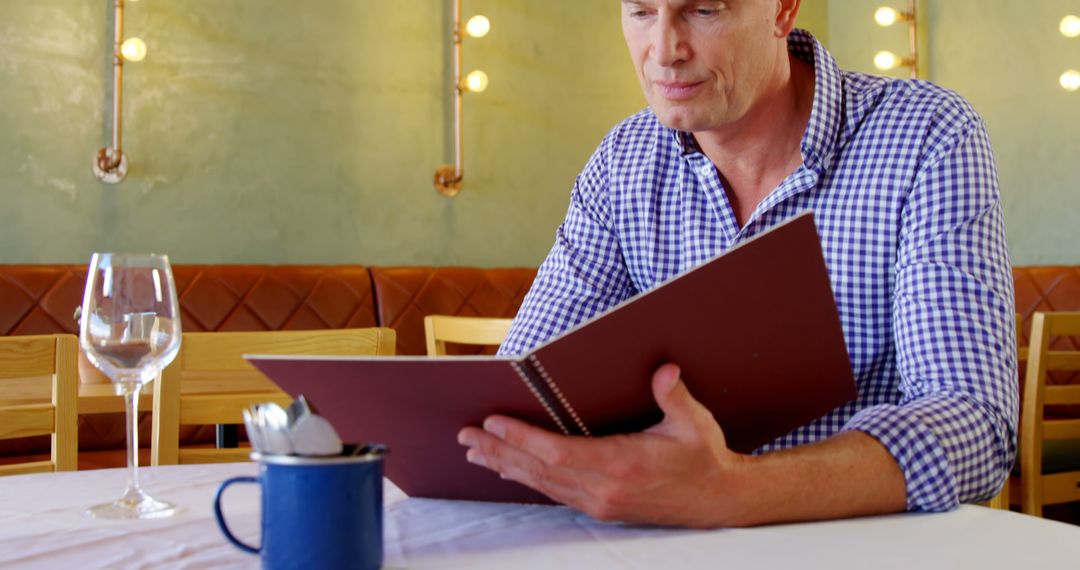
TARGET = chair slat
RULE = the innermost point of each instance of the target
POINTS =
(200, 409)
(25, 468)
(441, 329)
(1064, 394)
(216, 382)
(221, 351)
(1063, 360)
(1061, 429)
(26, 356)
(26, 421)
(1060, 487)
(1064, 323)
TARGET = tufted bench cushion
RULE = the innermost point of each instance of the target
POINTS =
(407, 294)
(1045, 288)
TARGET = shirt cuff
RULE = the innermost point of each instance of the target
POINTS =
(912, 433)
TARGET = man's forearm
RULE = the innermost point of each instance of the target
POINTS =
(849, 474)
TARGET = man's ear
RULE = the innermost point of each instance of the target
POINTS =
(786, 11)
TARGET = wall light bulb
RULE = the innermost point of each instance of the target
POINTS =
(476, 81)
(886, 16)
(1070, 26)
(886, 60)
(133, 49)
(1070, 80)
(478, 26)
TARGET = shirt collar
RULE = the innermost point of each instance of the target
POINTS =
(819, 140)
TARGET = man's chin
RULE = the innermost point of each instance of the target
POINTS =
(676, 121)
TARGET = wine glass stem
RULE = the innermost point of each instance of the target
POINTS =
(131, 404)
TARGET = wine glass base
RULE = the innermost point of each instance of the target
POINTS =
(143, 507)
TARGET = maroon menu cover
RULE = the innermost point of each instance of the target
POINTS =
(755, 331)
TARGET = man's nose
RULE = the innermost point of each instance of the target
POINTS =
(669, 42)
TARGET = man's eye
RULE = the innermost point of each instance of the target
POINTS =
(709, 11)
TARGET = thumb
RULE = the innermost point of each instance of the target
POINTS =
(672, 396)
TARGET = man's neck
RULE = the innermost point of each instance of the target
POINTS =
(756, 153)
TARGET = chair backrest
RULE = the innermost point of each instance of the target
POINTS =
(1041, 488)
(54, 356)
(210, 382)
(441, 329)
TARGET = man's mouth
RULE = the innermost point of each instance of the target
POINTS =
(678, 90)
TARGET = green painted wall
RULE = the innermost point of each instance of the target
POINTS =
(293, 132)
(1005, 57)
(309, 132)
(814, 16)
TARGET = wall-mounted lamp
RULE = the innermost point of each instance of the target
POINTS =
(1070, 28)
(886, 60)
(110, 164)
(448, 177)
(1070, 80)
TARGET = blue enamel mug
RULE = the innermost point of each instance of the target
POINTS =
(317, 512)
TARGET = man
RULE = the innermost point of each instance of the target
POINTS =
(750, 122)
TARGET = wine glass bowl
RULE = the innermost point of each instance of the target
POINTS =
(130, 330)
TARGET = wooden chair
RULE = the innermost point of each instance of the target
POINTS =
(54, 356)
(441, 329)
(1049, 447)
(211, 383)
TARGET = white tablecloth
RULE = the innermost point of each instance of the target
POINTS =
(42, 526)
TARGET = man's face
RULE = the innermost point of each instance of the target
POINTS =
(701, 63)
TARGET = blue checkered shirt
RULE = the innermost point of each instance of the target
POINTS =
(904, 190)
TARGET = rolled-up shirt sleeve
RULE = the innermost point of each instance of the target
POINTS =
(953, 429)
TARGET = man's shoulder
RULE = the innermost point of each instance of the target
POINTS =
(908, 100)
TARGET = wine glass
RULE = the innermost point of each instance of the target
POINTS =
(130, 330)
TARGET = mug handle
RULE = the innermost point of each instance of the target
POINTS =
(221, 518)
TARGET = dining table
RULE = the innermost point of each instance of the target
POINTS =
(43, 525)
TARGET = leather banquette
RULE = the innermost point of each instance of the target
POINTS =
(37, 299)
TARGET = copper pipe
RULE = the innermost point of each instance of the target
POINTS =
(913, 39)
(459, 169)
(448, 178)
(109, 164)
(118, 79)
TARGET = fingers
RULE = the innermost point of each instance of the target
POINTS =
(672, 396)
(512, 462)
(683, 415)
(551, 448)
